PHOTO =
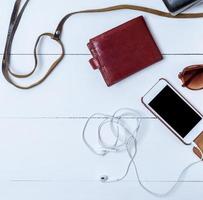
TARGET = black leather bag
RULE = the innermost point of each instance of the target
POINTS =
(177, 6)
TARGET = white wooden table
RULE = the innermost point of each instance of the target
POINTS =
(42, 155)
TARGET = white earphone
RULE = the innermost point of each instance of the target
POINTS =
(125, 140)
(104, 178)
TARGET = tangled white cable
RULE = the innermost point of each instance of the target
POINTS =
(125, 140)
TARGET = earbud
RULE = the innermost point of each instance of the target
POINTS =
(104, 178)
(104, 152)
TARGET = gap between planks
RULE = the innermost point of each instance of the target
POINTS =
(87, 54)
(70, 118)
(96, 181)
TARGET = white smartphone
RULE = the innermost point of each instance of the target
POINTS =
(168, 105)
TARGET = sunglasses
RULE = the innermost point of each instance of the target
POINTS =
(192, 77)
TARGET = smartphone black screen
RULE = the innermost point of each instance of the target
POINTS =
(175, 111)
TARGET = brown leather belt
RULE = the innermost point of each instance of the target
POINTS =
(15, 20)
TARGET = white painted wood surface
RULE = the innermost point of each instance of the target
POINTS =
(41, 151)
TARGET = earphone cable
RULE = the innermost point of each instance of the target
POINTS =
(127, 142)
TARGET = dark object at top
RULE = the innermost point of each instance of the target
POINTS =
(178, 6)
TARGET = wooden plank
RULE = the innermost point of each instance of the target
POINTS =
(53, 150)
(41, 150)
(173, 36)
(75, 90)
(93, 190)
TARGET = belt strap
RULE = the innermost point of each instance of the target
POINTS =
(15, 20)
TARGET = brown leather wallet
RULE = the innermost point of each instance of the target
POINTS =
(124, 50)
